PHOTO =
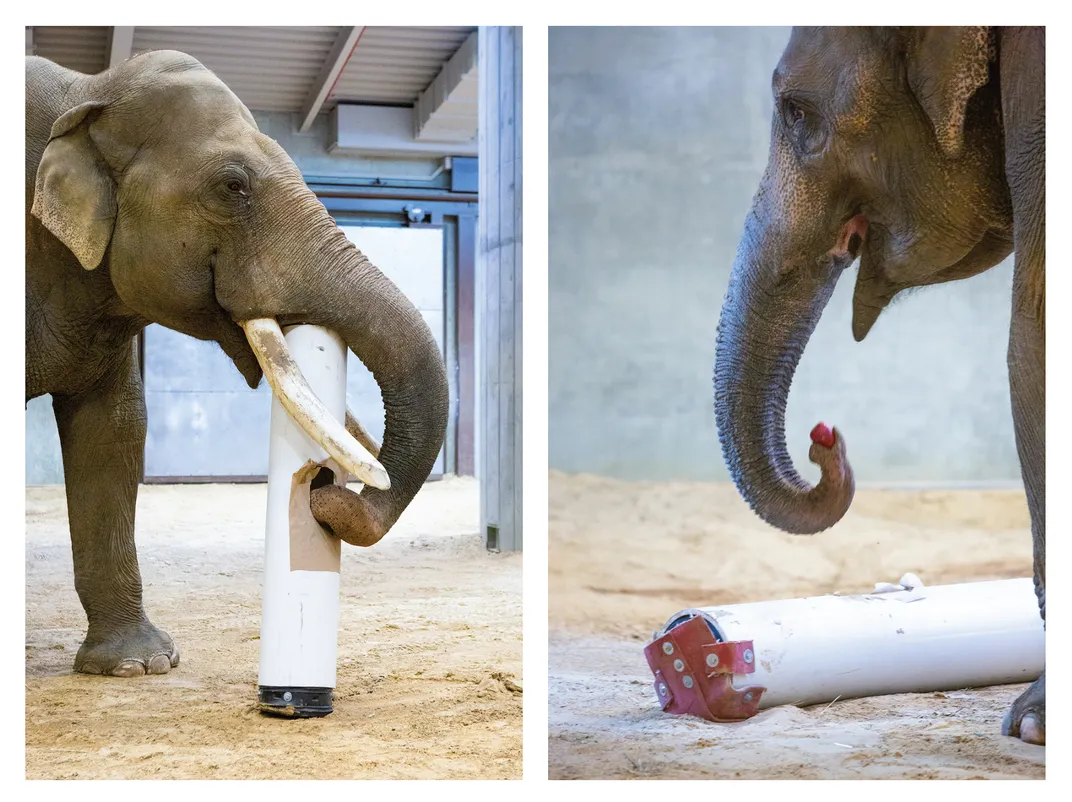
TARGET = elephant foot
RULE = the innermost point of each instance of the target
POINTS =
(1026, 718)
(132, 652)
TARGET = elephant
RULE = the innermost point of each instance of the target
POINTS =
(151, 196)
(921, 153)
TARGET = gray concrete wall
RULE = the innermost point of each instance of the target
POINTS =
(658, 139)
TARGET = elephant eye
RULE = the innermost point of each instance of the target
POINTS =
(794, 114)
(228, 191)
(804, 127)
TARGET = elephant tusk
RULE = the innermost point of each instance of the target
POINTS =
(305, 408)
(354, 427)
(357, 431)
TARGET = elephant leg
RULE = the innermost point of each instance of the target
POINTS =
(1024, 112)
(102, 436)
(1027, 365)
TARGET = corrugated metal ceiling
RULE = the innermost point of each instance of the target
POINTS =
(276, 69)
(394, 65)
(271, 69)
(82, 49)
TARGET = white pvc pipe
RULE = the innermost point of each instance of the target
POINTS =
(945, 637)
(300, 615)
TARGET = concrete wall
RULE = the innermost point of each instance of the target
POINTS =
(658, 139)
(43, 461)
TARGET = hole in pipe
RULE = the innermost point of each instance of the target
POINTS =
(323, 478)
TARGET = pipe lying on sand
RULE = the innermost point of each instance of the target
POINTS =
(727, 663)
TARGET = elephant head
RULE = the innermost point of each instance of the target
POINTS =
(887, 146)
(158, 176)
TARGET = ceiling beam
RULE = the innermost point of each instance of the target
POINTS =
(120, 44)
(329, 74)
(448, 109)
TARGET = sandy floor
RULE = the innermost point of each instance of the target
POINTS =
(626, 556)
(429, 675)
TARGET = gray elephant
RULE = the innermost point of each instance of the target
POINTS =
(152, 197)
(920, 151)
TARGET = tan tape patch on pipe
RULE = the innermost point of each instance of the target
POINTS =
(312, 548)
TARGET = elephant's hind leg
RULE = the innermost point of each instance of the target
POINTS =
(102, 435)
(1026, 719)
(1023, 57)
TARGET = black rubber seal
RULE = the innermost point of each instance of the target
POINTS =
(294, 702)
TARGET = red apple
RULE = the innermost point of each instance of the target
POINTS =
(823, 435)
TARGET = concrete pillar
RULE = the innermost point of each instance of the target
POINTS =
(498, 289)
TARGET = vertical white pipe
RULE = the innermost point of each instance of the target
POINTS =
(300, 614)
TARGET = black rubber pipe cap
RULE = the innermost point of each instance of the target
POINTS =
(294, 702)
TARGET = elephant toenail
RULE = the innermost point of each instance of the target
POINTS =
(129, 668)
(1006, 723)
(1032, 731)
(159, 664)
(90, 668)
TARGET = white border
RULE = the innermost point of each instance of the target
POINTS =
(534, 17)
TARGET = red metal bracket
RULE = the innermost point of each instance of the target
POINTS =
(694, 673)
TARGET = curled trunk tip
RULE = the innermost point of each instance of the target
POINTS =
(758, 350)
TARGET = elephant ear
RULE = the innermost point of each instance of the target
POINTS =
(75, 195)
(946, 66)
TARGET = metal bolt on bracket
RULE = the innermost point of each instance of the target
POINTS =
(712, 660)
(679, 665)
(287, 696)
(748, 656)
(668, 648)
(687, 681)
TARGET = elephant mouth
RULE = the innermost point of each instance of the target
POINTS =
(237, 347)
(266, 341)
(851, 237)
(881, 276)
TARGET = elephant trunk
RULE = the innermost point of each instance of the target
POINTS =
(332, 284)
(396, 345)
(771, 309)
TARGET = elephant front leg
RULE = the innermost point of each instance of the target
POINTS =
(102, 435)
(1027, 375)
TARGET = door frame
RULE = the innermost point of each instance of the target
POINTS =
(456, 213)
